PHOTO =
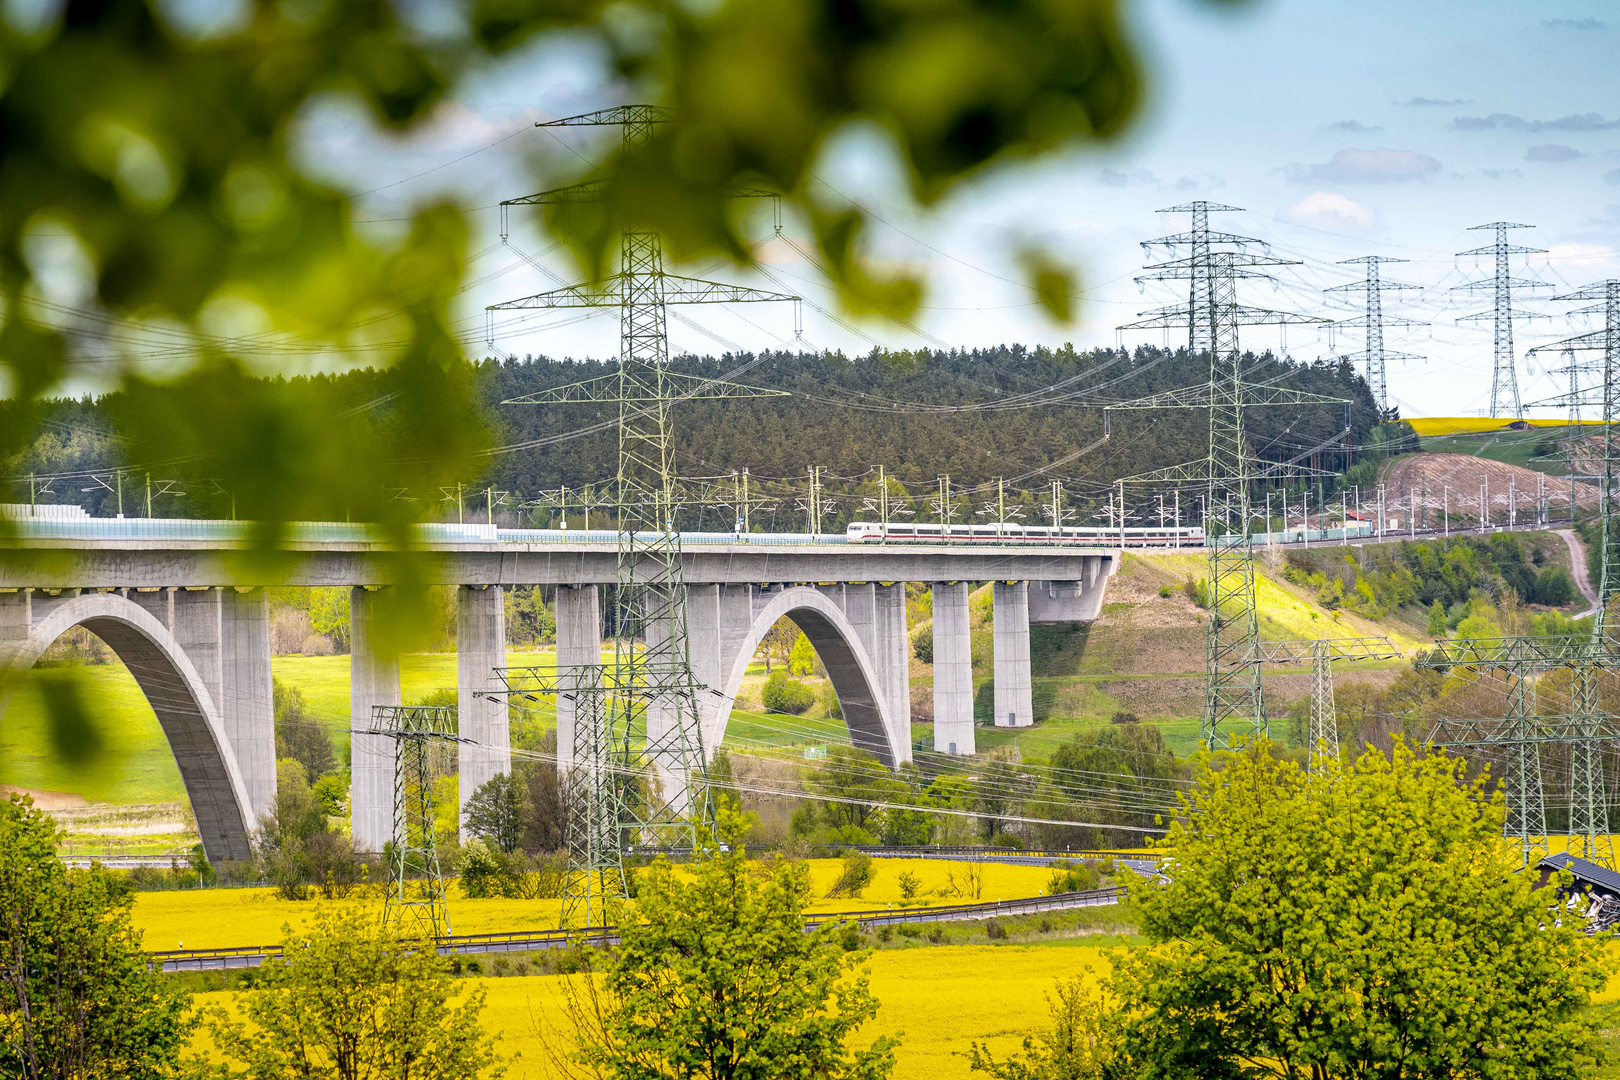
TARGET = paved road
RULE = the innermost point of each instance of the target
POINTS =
(531, 940)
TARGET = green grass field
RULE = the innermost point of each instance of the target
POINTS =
(1508, 447)
(136, 765)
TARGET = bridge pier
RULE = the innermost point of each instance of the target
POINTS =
(579, 644)
(247, 702)
(480, 647)
(1014, 695)
(953, 670)
(373, 680)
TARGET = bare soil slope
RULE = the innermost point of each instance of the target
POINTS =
(1431, 476)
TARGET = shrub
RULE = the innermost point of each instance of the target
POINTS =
(1554, 587)
(332, 792)
(995, 930)
(785, 695)
(909, 884)
(1437, 620)
(802, 657)
(1165, 592)
(857, 875)
(1123, 717)
(1071, 876)
(922, 643)
(1196, 591)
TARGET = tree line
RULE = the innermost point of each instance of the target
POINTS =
(973, 414)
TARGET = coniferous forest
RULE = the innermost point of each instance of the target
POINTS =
(1027, 416)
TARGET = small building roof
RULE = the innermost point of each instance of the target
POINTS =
(1583, 870)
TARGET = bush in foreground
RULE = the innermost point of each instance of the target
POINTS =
(721, 982)
(76, 998)
(349, 1001)
(1367, 922)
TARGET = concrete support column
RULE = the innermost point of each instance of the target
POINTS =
(664, 709)
(1014, 697)
(198, 627)
(736, 621)
(703, 649)
(248, 710)
(953, 670)
(480, 647)
(15, 624)
(579, 644)
(373, 680)
(893, 659)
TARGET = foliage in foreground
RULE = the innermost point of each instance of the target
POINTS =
(720, 982)
(76, 998)
(348, 1000)
(1368, 922)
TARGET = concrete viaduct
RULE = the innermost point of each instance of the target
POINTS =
(171, 600)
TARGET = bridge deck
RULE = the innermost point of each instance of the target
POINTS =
(155, 553)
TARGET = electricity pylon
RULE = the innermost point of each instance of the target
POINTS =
(415, 894)
(1321, 654)
(1504, 375)
(647, 701)
(1522, 731)
(1589, 803)
(1372, 322)
(1234, 695)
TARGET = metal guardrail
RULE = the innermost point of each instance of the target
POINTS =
(533, 940)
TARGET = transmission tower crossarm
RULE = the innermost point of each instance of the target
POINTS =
(620, 115)
(685, 290)
(607, 294)
(1349, 650)
(1238, 315)
(610, 389)
(590, 191)
(1505, 313)
(1201, 397)
(1493, 283)
(1212, 237)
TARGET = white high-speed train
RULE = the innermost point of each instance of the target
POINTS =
(1013, 532)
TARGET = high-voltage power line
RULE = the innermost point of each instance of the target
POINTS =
(644, 708)
(1589, 816)
(1504, 374)
(1234, 702)
(1372, 322)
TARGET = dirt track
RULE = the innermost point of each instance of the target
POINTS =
(1461, 475)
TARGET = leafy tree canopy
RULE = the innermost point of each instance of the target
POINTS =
(76, 998)
(720, 981)
(1368, 922)
(348, 1000)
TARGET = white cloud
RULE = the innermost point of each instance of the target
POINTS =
(1581, 258)
(1333, 212)
(1367, 167)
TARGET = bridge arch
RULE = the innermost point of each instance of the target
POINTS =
(178, 695)
(850, 668)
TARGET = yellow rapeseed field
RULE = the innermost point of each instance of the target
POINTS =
(1435, 426)
(939, 1000)
(230, 918)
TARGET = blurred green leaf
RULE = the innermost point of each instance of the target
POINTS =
(75, 736)
(1052, 282)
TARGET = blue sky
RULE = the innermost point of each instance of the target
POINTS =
(1343, 129)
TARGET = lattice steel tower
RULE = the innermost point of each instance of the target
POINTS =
(415, 896)
(1234, 699)
(1589, 804)
(644, 709)
(1372, 323)
(1504, 375)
